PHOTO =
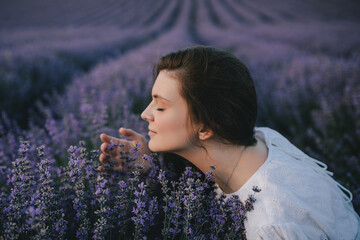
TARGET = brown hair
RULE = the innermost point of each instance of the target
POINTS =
(218, 90)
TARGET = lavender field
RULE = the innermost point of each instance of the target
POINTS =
(70, 70)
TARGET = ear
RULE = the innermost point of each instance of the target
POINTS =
(205, 133)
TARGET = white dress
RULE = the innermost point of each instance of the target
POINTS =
(299, 199)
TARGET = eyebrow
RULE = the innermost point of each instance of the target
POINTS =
(158, 96)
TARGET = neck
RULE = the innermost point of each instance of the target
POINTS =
(227, 160)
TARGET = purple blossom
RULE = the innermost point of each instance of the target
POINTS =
(22, 189)
(46, 212)
(104, 214)
(77, 159)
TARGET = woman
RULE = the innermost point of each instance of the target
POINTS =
(204, 109)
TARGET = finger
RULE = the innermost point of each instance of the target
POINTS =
(100, 168)
(107, 139)
(106, 150)
(130, 134)
(103, 158)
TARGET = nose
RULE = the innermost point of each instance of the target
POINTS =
(147, 115)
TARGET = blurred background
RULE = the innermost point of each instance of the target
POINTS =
(70, 70)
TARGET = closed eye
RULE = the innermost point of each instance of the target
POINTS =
(160, 109)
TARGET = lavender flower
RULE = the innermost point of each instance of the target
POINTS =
(122, 209)
(47, 216)
(104, 213)
(76, 163)
(22, 189)
(144, 212)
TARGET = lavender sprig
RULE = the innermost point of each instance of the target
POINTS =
(79, 202)
(22, 181)
(104, 213)
(47, 215)
(144, 212)
(122, 209)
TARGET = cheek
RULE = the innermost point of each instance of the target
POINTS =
(171, 124)
(171, 134)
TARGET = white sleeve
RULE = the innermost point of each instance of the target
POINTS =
(289, 231)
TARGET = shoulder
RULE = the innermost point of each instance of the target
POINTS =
(298, 196)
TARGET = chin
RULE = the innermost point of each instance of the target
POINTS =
(154, 148)
(158, 147)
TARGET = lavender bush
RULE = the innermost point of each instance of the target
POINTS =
(79, 202)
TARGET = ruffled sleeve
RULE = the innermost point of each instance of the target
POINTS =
(289, 231)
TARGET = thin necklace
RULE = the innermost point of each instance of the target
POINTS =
(236, 165)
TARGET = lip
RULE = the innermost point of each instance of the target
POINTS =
(151, 132)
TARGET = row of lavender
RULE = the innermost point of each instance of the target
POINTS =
(39, 60)
(123, 14)
(35, 62)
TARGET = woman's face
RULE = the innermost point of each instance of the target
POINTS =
(167, 115)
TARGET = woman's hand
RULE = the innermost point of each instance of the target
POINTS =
(117, 151)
